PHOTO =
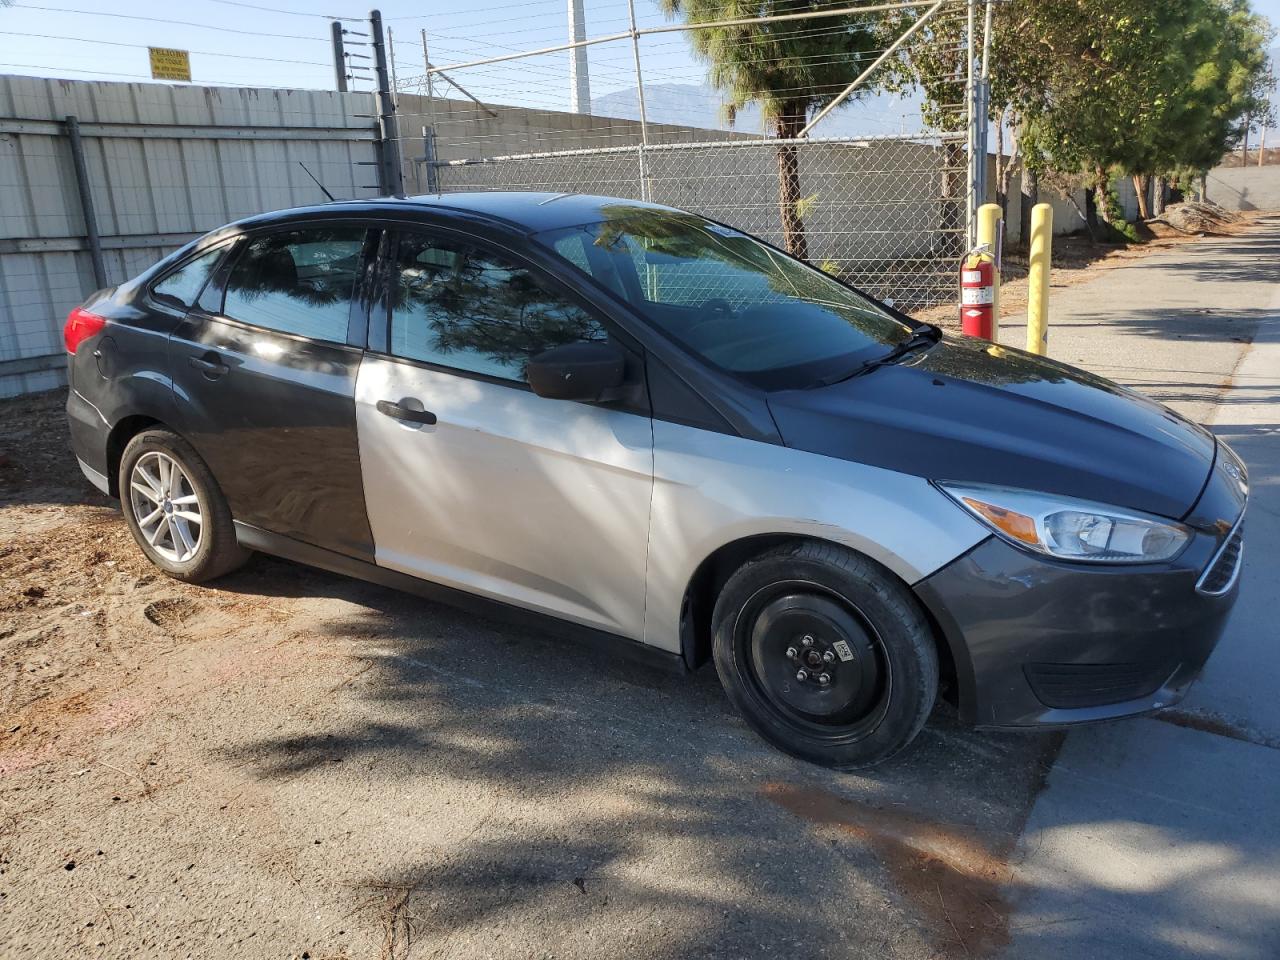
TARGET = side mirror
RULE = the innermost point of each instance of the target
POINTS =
(576, 371)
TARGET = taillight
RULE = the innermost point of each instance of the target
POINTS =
(80, 326)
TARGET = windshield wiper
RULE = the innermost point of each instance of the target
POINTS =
(923, 338)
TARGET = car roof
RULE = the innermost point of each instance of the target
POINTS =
(529, 212)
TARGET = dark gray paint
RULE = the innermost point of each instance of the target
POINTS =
(959, 413)
(1001, 608)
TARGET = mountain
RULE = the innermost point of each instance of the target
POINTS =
(694, 105)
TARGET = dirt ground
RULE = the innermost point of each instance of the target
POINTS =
(291, 764)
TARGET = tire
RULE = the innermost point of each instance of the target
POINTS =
(180, 519)
(777, 630)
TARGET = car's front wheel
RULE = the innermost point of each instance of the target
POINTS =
(175, 510)
(826, 654)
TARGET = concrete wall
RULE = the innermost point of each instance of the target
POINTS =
(1066, 216)
(1245, 188)
(467, 131)
(165, 164)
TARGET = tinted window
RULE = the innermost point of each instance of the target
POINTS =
(729, 298)
(298, 282)
(473, 310)
(183, 286)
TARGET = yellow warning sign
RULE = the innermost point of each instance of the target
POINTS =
(167, 64)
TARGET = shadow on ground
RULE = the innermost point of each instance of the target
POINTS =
(586, 794)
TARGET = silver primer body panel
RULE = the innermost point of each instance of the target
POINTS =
(539, 503)
(97, 478)
(711, 489)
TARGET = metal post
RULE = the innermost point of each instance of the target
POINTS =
(579, 80)
(391, 58)
(971, 93)
(433, 173)
(339, 56)
(991, 235)
(86, 203)
(644, 116)
(987, 27)
(392, 174)
(983, 118)
(1041, 248)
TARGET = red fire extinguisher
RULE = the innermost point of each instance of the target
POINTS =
(977, 294)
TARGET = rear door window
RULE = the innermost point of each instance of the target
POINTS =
(298, 281)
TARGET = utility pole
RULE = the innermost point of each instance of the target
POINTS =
(579, 81)
(339, 56)
(392, 174)
(1244, 144)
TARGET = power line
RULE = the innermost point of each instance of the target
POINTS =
(180, 23)
(289, 13)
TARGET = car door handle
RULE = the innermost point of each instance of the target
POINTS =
(404, 413)
(210, 365)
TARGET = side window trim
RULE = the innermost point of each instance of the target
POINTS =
(364, 290)
(218, 280)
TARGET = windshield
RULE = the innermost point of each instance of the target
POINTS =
(740, 305)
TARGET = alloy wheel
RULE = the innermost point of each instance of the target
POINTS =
(166, 507)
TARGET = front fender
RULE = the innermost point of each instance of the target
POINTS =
(711, 490)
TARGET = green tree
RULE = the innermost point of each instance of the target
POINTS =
(1141, 87)
(789, 69)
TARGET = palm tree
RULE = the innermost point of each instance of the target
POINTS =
(789, 68)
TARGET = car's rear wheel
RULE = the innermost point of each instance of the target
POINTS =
(826, 654)
(174, 508)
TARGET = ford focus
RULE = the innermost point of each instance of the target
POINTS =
(657, 432)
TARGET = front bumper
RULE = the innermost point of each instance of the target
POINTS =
(1036, 641)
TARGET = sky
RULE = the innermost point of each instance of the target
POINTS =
(286, 43)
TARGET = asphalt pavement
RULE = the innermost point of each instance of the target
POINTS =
(1158, 838)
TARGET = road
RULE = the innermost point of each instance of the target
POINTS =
(1156, 838)
(293, 764)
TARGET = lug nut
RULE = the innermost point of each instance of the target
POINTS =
(828, 657)
(792, 653)
(802, 675)
(807, 640)
(824, 679)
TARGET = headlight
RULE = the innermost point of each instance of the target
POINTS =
(1070, 529)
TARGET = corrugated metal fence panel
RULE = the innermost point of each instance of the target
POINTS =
(165, 164)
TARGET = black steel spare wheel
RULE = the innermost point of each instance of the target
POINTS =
(826, 653)
(816, 658)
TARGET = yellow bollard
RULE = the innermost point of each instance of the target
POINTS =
(991, 236)
(1038, 279)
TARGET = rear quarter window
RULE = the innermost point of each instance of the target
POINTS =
(181, 287)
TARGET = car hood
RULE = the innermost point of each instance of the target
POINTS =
(966, 410)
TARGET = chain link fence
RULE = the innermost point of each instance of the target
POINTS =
(885, 214)
(889, 212)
